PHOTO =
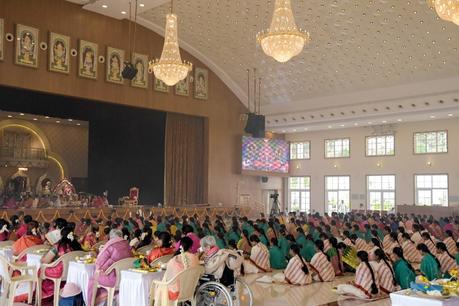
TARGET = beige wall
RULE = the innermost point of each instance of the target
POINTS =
(403, 165)
(222, 108)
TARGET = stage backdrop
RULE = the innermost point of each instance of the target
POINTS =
(126, 144)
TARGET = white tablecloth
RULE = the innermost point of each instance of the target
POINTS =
(135, 287)
(80, 273)
(402, 299)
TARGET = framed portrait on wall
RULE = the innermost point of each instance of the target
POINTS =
(201, 78)
(182, 88)
(87, 59)
(140, 62)
(59, 53)
(2, 37)
(26, 46)
(160, 86)
(114, 64)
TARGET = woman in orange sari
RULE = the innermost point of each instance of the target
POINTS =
(31, 238)
(244, 243)
(164, 247)
(90, 238)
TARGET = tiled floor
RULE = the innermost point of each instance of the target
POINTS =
(312, 295)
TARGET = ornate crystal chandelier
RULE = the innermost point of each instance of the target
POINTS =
(446, 9)
(170, 68)
(283, 40)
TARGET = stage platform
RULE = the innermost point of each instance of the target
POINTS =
(75, 214)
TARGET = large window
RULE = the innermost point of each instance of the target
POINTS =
(337, 192)
(300, 193)
(431, 142)
(300, 150)
(432, 189)
(380, 145)
(381, 192)
(336, 148)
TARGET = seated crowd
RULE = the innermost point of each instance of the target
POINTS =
(299, 249)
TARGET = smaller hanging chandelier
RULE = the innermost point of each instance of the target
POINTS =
(446, 9)
(170, 68)
(283, 40)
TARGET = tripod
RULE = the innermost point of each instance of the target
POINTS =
(275, 207)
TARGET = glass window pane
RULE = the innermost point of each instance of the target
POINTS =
(440, 181)
(375, 200)
(294, 201)
(440, 197)
(424, 197)
(388, 201)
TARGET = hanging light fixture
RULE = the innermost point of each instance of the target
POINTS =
(446, 9)
(170, 68)
(283, 40)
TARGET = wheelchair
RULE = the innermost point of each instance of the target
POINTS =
(213, 292)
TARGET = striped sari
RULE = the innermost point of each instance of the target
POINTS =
(294, 274)
(322, 267)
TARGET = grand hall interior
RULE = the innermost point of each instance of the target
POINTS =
(229, 152)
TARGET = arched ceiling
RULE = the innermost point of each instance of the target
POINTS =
(365, 58)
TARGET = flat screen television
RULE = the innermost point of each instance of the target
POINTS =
(263, 156)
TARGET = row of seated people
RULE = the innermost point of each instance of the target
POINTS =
(307, 248)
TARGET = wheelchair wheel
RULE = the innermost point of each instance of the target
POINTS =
(242, 293)
(213, 294)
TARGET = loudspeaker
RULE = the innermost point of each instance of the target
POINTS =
(129, 71)
(255, 125)
(264, 179)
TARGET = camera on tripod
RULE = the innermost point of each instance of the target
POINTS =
(274, 196)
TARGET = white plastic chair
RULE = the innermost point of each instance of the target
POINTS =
(161, 260)
(31, 250)
(145, 249)
(7, 243)
(188, 281)
(11, 283)
(65, 259)
(118, 266)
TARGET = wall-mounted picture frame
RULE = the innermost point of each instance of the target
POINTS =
(140, 62)
(114, 65)
(160, 86)
(87, 59)
(182, 88)
(26, 46)
(201, 83)
(59, 53)
(2, 38)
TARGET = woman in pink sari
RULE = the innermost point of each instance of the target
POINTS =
(182, 260)
(114, 250)
(65, 245)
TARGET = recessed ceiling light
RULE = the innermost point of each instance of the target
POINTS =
(22, 114)
(104, 5)
(9, 116)
(283, 131)
(432, 117)
(35, 119)
(57, 121)
(70, 120)
(399, 120)
(384, 121)
(370, 122)
(305, 129)
(123, 12)
(78, 124)
(342, 125)
(141, 5)
(450, 115)
(294, 130)
(47, 117)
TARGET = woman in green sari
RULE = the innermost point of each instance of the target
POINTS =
(430, 266)
(276, 257)
(404, 272)
(284, 243)
(308, 248)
